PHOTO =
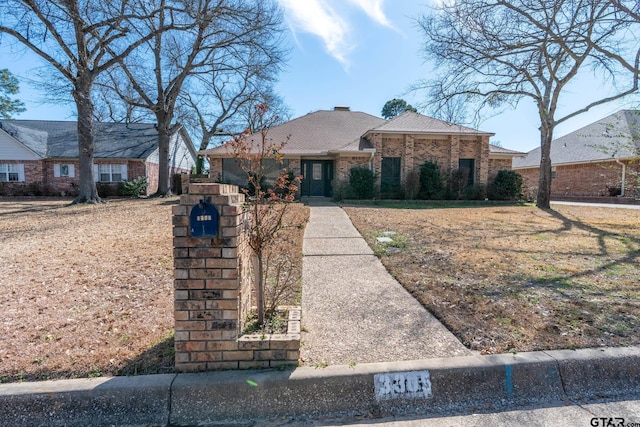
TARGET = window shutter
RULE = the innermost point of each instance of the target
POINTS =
(56, 170)
(21, 172)
(72, 171)
(123, 170)
(96, 173)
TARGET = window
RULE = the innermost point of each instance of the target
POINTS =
(111, 173)
(232, 173)
(553, 172)
(11, 172)
(64, 170)
(390, 175)
(468, 166)
(317, 171)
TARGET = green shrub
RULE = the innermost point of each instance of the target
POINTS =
(507, 185)
(431, 182)
(475, 192)
(362, 184)
(133, 188)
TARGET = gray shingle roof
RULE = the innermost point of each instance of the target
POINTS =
(602, 140)
(494, 149)
(342, 130)
(317, 132)
(59, 139)
(410, 122)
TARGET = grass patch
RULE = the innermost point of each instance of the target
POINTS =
(517, 278)
(90, 291)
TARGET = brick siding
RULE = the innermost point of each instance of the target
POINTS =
(589, 179)
(496, 165)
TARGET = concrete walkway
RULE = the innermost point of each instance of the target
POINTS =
(353, 310)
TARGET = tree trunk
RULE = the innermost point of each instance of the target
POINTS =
(88, 193)
(206, 138)
(164, 160)
(544, 183)
(260, 289)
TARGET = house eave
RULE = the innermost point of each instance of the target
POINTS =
(584, 162)
(505, 155)
(438, 133)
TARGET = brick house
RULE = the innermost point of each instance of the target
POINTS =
(44, 155)
(324, 145)
(600, 159)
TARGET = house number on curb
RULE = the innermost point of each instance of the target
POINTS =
(402, 385)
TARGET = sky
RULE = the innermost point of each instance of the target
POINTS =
(355, 53)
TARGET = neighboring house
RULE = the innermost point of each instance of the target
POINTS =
(592, 161)
(324, 145)
(44, 155)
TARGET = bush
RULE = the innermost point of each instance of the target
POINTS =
(412, 184)
(134, 188)
(456, 185)
(475, 192)
(431, 182)
(289, 182)
(107, 189)
(507, 185)
(362, 183)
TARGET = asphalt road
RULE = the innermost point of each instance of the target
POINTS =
(623, 413)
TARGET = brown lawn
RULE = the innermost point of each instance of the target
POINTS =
(88, 290)
(518, 278)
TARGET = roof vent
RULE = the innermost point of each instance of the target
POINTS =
(341, 108)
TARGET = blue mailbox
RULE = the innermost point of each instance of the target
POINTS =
(203, 220)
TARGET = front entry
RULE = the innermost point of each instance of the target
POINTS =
(317, 176)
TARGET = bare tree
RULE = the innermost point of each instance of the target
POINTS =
(213, 35)
(81, 40)
(226, 108)
(496, 52)
(266, 206)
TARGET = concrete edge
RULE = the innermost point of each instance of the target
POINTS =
(430, 386)
(141, 400)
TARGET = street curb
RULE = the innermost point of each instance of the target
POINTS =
(430, 386)
(142, 400)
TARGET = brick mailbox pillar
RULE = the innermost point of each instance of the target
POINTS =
(213, 293)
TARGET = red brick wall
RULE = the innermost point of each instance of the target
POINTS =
(344, 165)
(496, 165)
(433, 150)
(62, 185)
(589, 179)
(33, 174)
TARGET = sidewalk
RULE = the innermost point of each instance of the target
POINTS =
(354, 311)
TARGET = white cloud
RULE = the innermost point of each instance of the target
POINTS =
(319, 18)
(373, 8)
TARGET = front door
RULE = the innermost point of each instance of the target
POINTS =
(317, 176)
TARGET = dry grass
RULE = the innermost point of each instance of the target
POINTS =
(88, 290)
(519, 278)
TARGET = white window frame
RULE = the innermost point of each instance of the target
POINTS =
(11, 170)
(64, 170)
(109, 170)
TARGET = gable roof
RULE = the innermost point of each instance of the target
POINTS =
(410, 122)
(606, 139)
(59, 139)
(342, 130)
(316, 133)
